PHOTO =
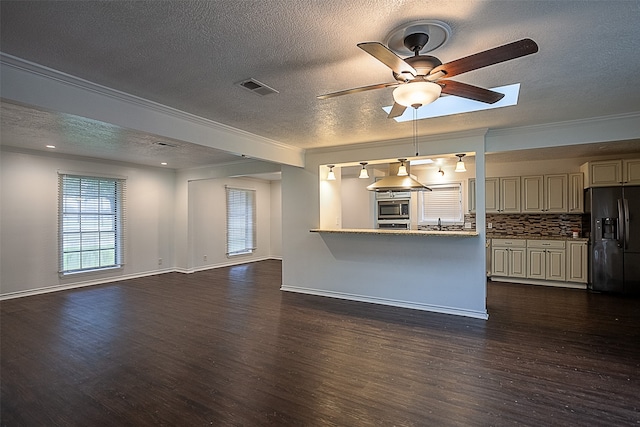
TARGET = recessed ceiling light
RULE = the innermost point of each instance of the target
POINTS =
(51, 146)
(449, 105)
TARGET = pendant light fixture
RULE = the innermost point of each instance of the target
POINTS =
(460, 165)
(363, 171)
(402, 170)
(331, 176)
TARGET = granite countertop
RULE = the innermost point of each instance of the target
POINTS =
(396, 232)
(565, 238)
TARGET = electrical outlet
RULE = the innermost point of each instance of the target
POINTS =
(159, 261)
(204, 258)
(467, 225)
(489, 225)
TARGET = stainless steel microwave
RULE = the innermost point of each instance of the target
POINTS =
(393, 209)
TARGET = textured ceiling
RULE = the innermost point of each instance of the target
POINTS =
(190, 55)
(32, 129)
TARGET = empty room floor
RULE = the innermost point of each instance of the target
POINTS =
(227, 347)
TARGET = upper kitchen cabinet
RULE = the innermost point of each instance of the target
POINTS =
(605, 173)
(557, 193)
(509, 195)
(631, 172)
(492, 195)
(471, 193)
(545, 194)
(576, 193)
(533, 194)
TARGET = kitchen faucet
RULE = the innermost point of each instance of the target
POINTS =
(439, 225)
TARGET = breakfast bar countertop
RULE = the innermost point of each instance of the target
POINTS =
(398, 232)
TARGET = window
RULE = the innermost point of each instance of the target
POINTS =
(241, 221)
(90, 223)
(444, 202)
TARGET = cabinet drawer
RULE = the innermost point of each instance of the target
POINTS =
(509, 243)
(546, 244)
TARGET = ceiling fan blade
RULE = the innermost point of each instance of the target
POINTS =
(452, 87)
(396, 111)
(388, 58)
(488, 57)
(357, 89)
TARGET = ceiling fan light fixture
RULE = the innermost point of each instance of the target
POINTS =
(416, 93)
(460, 165)
(363, 172)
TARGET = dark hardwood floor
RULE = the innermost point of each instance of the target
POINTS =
(227, 347)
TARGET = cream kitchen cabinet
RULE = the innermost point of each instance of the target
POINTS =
(508, 257)
(545, 193)
(471, 195)
(576, 193)
(555, 193)
(577, 256)
(509, 195)
(605, 173)
(533, 194)
(546, 260)
(492, 195)
(536, 261)
(631, 172)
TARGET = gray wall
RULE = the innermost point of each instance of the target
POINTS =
(154, 221)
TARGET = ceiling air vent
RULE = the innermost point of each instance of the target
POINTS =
(166, 144)
(256, 87)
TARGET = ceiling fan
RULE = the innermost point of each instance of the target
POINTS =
(420, 79)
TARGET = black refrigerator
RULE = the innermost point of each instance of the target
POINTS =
(614, 264)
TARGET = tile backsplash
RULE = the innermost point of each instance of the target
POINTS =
(558, 225)
(551, 225)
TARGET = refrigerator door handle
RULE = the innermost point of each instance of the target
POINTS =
(626, 223)
(619, 232)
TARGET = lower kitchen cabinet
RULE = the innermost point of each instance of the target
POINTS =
(535, 261)
(577, 256)
(546, 260)
(508, 257)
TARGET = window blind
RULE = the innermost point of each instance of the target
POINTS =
(241, 221)
(444, 202)
(90, 223)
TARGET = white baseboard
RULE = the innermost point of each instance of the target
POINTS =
(102, 281)
(229, 263)
(386, 301)
(82, 284)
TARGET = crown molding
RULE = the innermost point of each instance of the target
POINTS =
(545, 127)
(401, 141)
(620, 127)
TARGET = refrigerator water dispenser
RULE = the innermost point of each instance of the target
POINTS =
(608, 228)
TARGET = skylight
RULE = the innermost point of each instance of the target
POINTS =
(449, 105)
